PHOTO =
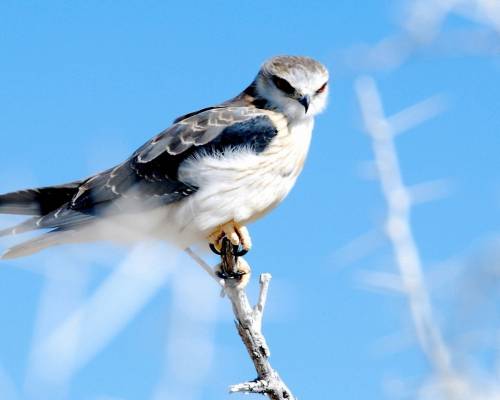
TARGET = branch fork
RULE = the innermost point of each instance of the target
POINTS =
(233, 274)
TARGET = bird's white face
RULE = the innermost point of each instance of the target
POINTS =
(297, 86)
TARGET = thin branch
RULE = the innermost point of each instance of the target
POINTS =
(248, 321)
(258, 310)
(208, 269)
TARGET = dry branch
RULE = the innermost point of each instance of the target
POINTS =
(248, 321)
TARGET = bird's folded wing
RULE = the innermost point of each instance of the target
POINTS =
(149, 178)
(151, 173)
(198, 130)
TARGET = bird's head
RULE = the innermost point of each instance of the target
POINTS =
(297, 86)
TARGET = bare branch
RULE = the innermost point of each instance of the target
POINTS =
(248, 321)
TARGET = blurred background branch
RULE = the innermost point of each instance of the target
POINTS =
(399, 231)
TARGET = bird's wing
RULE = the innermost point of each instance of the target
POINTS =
(149, 178)
(151, 172)
(208, 126)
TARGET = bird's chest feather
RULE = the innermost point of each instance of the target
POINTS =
(287, 153)
(241, 184)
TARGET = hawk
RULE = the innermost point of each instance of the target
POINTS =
(207, 176)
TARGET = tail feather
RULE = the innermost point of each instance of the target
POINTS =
(63, 218)
(39, 201)
(49, 209)
(25, 226)
(37, 244)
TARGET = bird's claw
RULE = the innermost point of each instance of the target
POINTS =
(236, 234)
(238, 251)
(239, 277)
(231, 241)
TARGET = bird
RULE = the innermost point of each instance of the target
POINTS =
(203, 179)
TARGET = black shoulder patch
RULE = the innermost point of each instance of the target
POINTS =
(255, 133)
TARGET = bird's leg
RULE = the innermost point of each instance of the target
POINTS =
(231, 241)
(233, 269)
(237, 234)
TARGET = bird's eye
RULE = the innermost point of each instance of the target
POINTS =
(322, 88)
(283, 85)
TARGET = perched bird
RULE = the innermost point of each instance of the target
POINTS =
(202, 179)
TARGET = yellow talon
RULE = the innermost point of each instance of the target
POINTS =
(237, 234)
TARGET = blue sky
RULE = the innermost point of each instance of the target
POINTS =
(82, 84)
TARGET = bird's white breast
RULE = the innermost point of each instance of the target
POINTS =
(241, 185)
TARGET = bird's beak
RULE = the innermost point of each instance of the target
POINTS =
(305, 101)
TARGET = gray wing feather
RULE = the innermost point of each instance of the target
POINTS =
(196, 130)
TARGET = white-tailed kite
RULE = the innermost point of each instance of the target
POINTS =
(203, 178)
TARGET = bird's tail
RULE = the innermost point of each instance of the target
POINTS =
(35, 245)
(38, 201)
(41, 204)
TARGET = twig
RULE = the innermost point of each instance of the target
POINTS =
(208, 269)
(258, 310)
(248, 321)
